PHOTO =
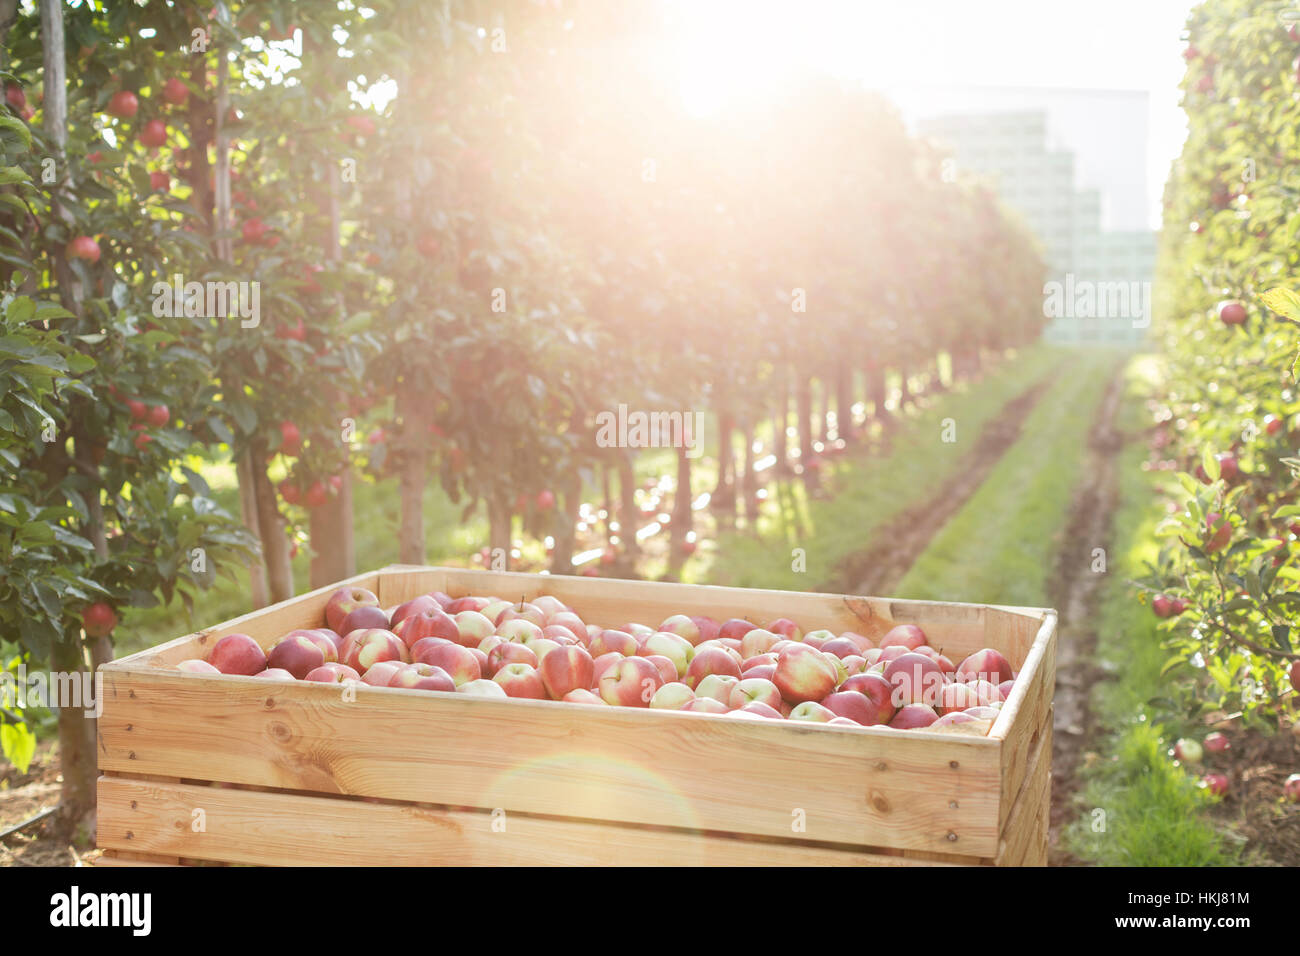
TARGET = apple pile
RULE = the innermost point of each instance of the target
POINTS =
(542, 650)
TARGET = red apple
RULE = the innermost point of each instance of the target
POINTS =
(83, 247)
(560, 635)
(381, 673)
(583, 696)
(1216, 783)
(784, 627)
(682, 626)
(345, 600)
(275, 673)
(632, 682)
(1232, 313)
(520, 680)
(610, 640)
(422, 676)
(414, 606)
(877, 690)
(333, 674)
(460, 663)
(672, 696)
(98, 620)
(238, 654)
(175, 92)
(153, 134)
(196, 666)
(1291, 788)
(123, 104)
(903, 635)
(573, 623)
(913, 716)
(916, 679)
(735, 628)
(365, 647)
(803, 673)
(757, 709)
(754, 689)
(471, 626)
(434, 622)
(812, 712)
(704, 705)
(518, 631)
(468, 603)
(509, 652)
(707, 661)
(1216, 743)
(707, 626)
(565, 669)
(159, 181)
(986, 664)
(366, 616)
(841, 647)
(296, 653)
(758, 641)
(524, 611)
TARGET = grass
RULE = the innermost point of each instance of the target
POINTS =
(1152, 808)
(1000, 548)
(868, 491)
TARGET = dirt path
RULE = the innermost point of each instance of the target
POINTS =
(879, 569)
(1074, 592)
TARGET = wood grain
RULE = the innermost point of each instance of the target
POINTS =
(286, 829)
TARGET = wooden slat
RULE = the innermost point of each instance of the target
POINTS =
(1025, 833)
(284, 829)
(1025, 718)
(264, 626)
(862, 786)
(115, 857)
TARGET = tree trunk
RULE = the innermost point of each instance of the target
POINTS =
(724, 493)
(844, 402)
(819, 406)
(499, 527)
(803, 407)
(566, 520)
(628, 513)
(749, 480)
(331, 524)
(271, 526)
(249, 513)
(682, 517)
(781, 423)
(905, 399)
(413, 467)
(606, 478)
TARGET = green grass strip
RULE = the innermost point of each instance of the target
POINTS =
(868, 492)
(1001, 547)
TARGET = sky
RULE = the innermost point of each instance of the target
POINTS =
(945, 44)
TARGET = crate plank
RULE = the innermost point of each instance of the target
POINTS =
(865, 786)
(1026, 717)
(1024, 840)
(287, 829)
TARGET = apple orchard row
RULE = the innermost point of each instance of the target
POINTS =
(543, 650)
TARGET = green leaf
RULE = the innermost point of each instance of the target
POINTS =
(1283, 302)
(18, 744)
(1282, 636)
(12, 174)
(1210, 464)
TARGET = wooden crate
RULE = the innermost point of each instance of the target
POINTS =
(240, 770)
